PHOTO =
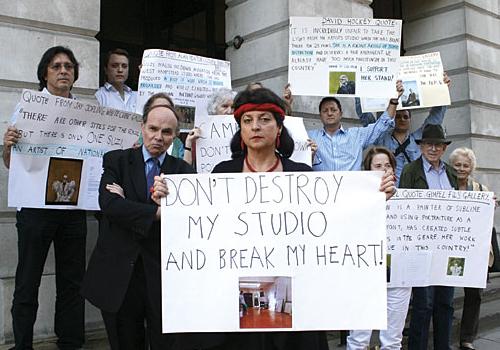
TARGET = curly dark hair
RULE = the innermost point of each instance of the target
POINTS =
(260, 96)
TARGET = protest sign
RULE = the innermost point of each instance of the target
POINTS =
(188, 79)
(213, 146)
(57, 162)
(438, 237)
(422, 77)
(294, 238)
(346, 56)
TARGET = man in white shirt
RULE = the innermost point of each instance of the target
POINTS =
(114, 93)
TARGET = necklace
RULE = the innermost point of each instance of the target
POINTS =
(271, 169)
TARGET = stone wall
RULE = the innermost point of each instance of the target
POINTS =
(467, 34)
(264, 54)
(27, 29)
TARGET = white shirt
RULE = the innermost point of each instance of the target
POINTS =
(108, 96)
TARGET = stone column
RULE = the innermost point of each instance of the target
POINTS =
(467, 34)
(263, 56)
(27, 29)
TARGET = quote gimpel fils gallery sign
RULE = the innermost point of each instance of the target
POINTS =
(220, 228)
(439, 237)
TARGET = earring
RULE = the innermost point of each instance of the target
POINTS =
(278, 141)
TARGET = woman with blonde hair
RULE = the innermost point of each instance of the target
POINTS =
(463, 160)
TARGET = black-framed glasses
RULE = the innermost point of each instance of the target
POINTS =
(436, 146)
(58, 66)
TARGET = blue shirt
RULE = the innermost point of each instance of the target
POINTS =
(146, 155)
(436, 179)
(343, 150)
(108, 96)
(436, 116)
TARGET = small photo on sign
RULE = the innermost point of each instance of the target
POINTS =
(343, 83)
(411, 95)
(186, 116)
(455, 266)
(265, 302)
(63, 181)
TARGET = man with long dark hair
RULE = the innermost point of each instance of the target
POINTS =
(38, 228)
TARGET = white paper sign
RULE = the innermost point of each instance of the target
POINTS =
(213, 146)
(344, 56)
(222, 231)
(422, 77)
(188, 79)
(57, 163)
(438, 237)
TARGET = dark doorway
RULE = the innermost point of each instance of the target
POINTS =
(193, 26)
(389, 9)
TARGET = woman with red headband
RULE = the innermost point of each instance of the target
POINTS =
(262, 144)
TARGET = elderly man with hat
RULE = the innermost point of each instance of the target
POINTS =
(430, 172)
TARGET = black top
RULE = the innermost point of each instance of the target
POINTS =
(236, 166)
(315, 340)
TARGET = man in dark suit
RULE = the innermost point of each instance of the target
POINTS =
(436, 302)
(123, 278)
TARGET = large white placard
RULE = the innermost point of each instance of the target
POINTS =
(188, 79)
(217, 130)
(339, 56)
(438, 237)
(57, 163)
(422, 77)
(303, 229)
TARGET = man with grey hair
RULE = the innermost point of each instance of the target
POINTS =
(123, 274)
(346, 86)
(436, 302)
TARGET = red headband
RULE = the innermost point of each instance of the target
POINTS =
(266, 107)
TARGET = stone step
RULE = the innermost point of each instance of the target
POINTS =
(489, 319)
(94, 340)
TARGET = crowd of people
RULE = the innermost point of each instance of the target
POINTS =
(123, 274)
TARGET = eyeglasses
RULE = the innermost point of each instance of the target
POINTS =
(58, 66)
(402, 116)
(436, 146)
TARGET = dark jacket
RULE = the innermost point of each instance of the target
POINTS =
(413, 176)
(313, 340)
(128, 229)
